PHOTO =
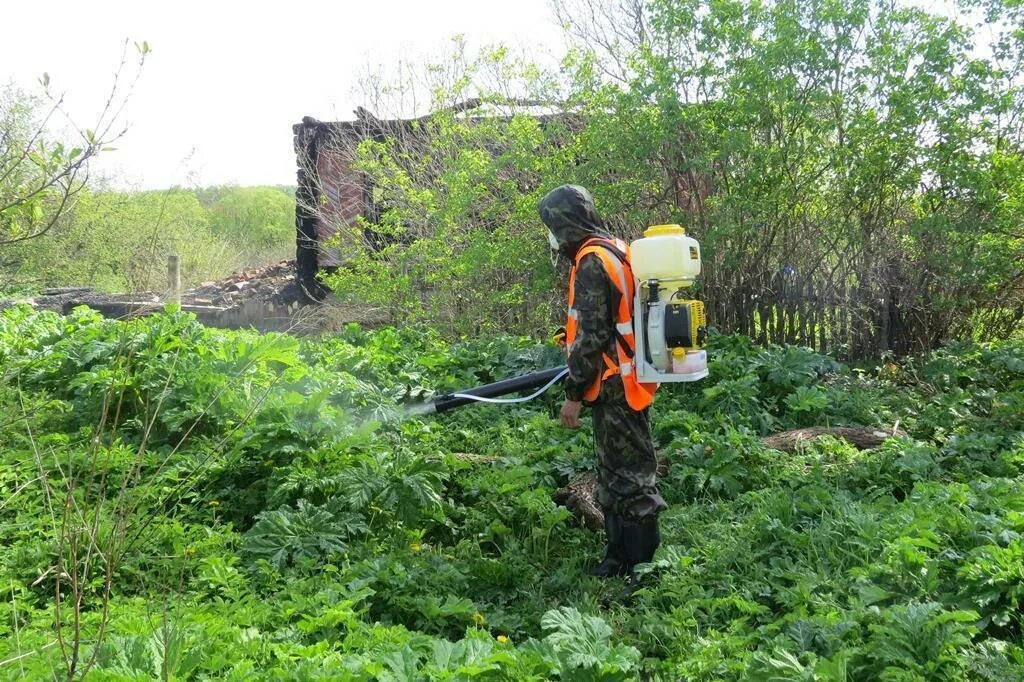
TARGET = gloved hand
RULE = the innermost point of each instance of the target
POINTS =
(559, 337)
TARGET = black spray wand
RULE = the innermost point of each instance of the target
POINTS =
(489, 393)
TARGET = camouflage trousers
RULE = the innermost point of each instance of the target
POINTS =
(627, 476)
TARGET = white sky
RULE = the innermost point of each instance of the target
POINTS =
(226, 79)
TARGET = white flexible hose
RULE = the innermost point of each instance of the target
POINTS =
(510, 401)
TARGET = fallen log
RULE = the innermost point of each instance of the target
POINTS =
(859, 437)
(579, 495)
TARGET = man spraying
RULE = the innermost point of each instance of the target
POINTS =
(601, 345)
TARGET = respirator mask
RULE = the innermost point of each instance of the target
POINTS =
(554, 248)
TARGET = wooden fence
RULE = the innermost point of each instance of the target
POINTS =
(842, 319)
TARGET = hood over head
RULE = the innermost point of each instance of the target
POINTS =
(569, 212)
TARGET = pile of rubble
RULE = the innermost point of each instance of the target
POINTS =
(271, 284)
(267, 298)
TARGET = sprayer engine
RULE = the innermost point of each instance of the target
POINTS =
(670, 328)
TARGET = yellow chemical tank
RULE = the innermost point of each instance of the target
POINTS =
(666, 253)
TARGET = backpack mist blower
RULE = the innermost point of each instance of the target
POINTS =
(670, 329)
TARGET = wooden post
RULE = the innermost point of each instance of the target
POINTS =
(174, 279)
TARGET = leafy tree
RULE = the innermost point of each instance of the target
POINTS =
(853, 170)
(258, 217)
(41, 174)
(453, 234)
(120, 242)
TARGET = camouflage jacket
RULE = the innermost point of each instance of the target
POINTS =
(596, 300)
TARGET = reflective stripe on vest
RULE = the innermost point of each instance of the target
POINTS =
(638, 395)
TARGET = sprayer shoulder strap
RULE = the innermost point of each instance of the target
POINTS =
(608, 245)
(624, 345)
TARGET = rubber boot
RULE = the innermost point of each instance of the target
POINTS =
(613, 563)
(640, 539)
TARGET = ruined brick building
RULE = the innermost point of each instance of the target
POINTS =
(331, 194)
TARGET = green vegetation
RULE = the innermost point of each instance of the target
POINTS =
(191, 503)
(118, 241)
(42, 172)
(57, 228)
(184, 502)
(853, 170)
(263, 217)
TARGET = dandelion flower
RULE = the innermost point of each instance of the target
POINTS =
(479, 619)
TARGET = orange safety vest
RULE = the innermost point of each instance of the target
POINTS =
(638, 395)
